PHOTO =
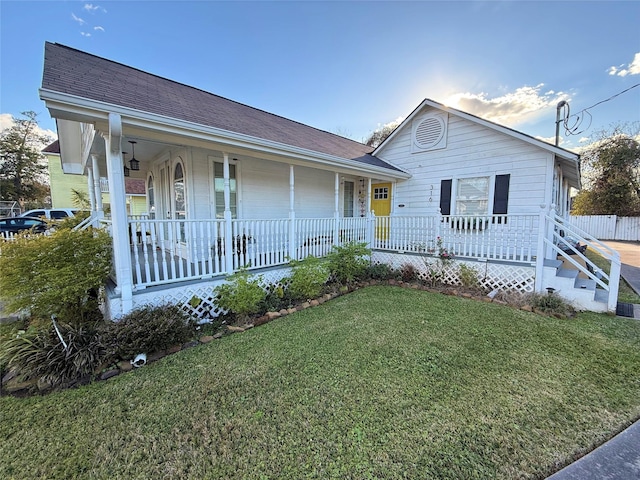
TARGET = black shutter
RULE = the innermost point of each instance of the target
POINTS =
(501, 195)
(445, 197)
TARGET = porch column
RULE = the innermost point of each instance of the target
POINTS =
(97, 191)
(119, 223)
(549, 251)
(336, 212)
(292, 215)
(542, 229)
(91, 190)
(228, 231)
(371, 218)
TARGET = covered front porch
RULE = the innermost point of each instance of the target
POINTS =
(183, 259)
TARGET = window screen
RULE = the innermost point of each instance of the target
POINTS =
(472, 196)
(219, 190)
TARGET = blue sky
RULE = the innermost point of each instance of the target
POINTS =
(349, 67)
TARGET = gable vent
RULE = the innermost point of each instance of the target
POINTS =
(430, 133)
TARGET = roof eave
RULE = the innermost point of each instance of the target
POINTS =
(560, 152)
(72, 107)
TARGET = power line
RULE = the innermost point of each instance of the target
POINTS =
(584, 114)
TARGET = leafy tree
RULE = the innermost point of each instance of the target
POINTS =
(380, 134)
(22, 171)
(611, 166)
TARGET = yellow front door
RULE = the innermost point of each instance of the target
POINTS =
(381, 206)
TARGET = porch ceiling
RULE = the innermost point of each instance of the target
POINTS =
(152, 142)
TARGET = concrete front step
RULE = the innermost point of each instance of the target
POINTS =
(579, 292)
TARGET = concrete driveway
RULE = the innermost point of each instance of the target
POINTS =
(630, 258)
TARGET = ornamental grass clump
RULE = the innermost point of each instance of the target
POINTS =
(55, 354)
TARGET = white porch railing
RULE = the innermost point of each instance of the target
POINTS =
(495, 237)
(555, 242)
(166, 251)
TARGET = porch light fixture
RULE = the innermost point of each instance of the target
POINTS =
(135, 164)
(126, 169)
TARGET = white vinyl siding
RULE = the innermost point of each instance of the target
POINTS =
(473, 150)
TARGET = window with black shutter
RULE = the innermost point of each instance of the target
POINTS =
(501, 195)
(445, 197)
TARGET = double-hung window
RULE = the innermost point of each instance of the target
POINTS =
(218, 172)
(472, 196)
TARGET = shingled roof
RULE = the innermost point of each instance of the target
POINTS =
(73, 72)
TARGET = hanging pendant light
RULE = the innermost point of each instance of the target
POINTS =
(126, 169)
(135, 164)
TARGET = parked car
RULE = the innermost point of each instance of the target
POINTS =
(20, 224)
(51, 213)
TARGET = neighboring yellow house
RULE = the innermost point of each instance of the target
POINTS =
(62, 186)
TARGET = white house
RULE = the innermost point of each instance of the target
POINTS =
(229, 186)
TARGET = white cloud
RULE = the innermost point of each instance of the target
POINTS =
(584, 139)
(78, 19)
(6, 121)
(89, 7)
(514, 108)
(85, 34)
(551, 140)
(99, 28)
(623, 70)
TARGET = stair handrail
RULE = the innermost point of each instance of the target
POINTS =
(613, 278)
(86, 223)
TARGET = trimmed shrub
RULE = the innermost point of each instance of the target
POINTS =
(59, 274)
(308, 276)
(348, 263)
(149, 330)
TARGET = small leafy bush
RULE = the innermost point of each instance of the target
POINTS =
(149, 330)
(38, 353)
(56, 274)
(380, 271)
(277, 297)
(549, 303)
(308, 276)
(241, 295)
(408, 273)
(348, 263)
(468, 277)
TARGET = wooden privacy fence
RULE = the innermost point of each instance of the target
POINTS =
(609, 227)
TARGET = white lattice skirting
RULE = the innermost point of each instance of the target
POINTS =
(195, 297)
(198, 299)
(492, 275)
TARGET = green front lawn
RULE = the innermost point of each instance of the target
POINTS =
(382, 383)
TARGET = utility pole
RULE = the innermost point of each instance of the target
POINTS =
(560, 105)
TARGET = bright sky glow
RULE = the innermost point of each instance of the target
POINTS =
(349, 67)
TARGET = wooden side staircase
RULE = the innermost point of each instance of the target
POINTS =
(571, 274)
